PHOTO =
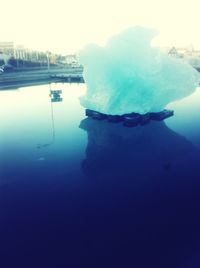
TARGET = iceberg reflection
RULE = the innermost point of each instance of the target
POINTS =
(148, 180)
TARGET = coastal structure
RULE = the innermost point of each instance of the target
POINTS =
(7, 48)
(4, 58)
(189, 54)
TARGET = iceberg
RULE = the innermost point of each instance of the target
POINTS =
(129, 75)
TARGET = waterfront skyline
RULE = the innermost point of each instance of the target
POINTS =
(65, 26)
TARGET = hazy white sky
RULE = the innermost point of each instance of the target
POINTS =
(66, 26)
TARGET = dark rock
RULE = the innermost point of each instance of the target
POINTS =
(89, 112)
(161, 115)
(115, 118)
(131, 121)
(99, 116)
(145, 119)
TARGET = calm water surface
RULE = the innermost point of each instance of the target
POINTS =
(75, 192)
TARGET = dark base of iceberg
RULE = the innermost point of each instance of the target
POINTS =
(131, 119)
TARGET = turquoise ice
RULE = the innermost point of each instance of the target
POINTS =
(128, 75)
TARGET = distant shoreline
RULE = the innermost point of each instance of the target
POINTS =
(32, 77)
(16, 85)
(16, 79)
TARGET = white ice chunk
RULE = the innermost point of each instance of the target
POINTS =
(128, 75)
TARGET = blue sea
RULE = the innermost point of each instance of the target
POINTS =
(75, 192)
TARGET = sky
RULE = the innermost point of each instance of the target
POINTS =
(63, 26)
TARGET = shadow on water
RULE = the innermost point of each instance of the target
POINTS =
(146, 182)
(142, 152)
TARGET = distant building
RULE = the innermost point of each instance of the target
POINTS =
(176, 52)
(20, 52)
(71, 60)
(4, 58)
(22, 56)
(173, 52)
(188, 54)
(52, 57)
(7, 48)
